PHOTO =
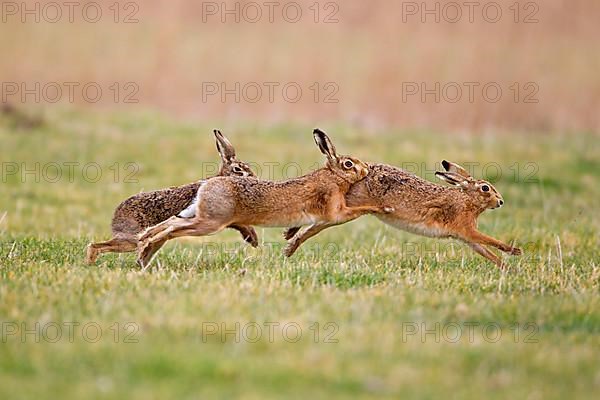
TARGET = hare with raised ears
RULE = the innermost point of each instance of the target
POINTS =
(316, 199)
(143, 210)
(424, 208)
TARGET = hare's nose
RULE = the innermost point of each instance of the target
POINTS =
(500, 202)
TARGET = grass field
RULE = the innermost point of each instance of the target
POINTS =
(363, 311)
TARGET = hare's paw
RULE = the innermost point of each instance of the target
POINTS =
(388, 210)
(248, 234)
(291, 248)
(144, 261)
(91, 254)
(515, 251)
(144, 255)
(290, 232)
(508, 249)
(252, 238)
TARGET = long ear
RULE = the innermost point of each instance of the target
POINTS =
(452, 178)
(224, 147)
(455, 169)
(324, 143)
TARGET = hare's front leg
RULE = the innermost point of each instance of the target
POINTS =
(480, 249)
(345, 214)
(248, 234)
(474, 236)
(297, 240)
(291, 232)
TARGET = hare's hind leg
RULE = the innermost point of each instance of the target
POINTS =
(149, 252)
(158, 228)
(173, 228)
(123, 244)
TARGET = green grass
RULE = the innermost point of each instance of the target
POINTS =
(367, 286)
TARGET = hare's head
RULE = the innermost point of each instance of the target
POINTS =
(484, 194)
(230, 166)
(349, 168)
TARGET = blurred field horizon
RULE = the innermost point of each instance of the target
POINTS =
(527, 66)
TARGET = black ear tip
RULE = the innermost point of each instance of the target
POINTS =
(446, 165)
(317, 131)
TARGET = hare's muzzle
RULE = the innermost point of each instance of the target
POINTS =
(500, 202)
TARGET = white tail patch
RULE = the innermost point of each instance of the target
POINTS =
(190, 211)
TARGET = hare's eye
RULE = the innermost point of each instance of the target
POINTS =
(237, 169)
(348, 164)
(485, 188)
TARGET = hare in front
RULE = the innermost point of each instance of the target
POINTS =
(146, 209)
(316, 199)
(425, 208)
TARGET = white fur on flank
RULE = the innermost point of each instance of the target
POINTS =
(190, 211)
(299, 219)
(419, 228)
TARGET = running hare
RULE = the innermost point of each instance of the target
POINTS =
(425, 208)
(316, 199)
(143, 210)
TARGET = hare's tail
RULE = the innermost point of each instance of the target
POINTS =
(190, 210)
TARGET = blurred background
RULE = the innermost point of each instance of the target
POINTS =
(449, 66)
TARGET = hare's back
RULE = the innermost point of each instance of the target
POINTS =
(390, 186)
(387, 180)
(146, 209)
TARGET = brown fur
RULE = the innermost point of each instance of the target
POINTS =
(147, 209)
(425, 208)
(316, 199)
